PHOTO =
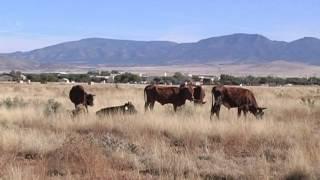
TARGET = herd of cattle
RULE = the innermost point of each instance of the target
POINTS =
(230, 97)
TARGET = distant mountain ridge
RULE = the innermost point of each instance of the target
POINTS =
(234, 48)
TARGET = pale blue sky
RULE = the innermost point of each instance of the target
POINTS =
(25, 25)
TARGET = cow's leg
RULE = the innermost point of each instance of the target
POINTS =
(175, 108)
(152, 105)
(245, 113)
(87, 108)
(215, 110)
(146, 105)
(245, 109)
(218, 112)
(239, 112)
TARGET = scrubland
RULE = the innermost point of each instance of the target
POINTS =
(39, 139)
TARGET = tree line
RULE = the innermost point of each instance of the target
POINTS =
(176, 78)
(270, 80)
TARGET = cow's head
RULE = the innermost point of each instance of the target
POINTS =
(218, 97)
(187, 92)
(129, 107)
(259, 114)
(89, 99)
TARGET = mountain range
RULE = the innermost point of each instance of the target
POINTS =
(235, 48)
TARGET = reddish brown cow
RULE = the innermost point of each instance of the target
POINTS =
(198, 93)
(235, 97)
(78, 96)
(176, 96)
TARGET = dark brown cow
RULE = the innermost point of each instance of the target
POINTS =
(127, 108)
(78, 96)
(235, 97)
(198, 93)
(176, 96)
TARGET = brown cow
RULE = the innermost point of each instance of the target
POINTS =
(176, 96)
(198, 93)
(78, 96)
(235, 97)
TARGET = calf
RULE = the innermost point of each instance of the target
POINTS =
(235, 97)
(127, 108)
(78, 96)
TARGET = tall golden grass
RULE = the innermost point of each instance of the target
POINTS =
(159, 144)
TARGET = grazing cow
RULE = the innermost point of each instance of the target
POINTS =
(176, 96)
(127, 108)
(78, 96)
(235, 97)
(198, 93)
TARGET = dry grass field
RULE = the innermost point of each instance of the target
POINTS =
(40, 140)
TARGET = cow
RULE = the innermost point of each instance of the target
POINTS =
(78, 96)
(235, 97)
(176, 96)
(198, 93)
(127, 108)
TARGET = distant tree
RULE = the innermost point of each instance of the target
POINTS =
(93, 72)
(16, 75)
(114, 72)
(156, 80)
(229, 80)
(179, 78)
(105, 73)
(127, 78)
(33, 77)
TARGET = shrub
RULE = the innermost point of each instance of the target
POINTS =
(127, 78)
(16, 102)
(53, 107)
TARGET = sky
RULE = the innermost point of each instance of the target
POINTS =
(27, 25)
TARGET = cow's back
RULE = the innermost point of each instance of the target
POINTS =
(162, 94)
(237, 97)
(77, 94)
(108, 111)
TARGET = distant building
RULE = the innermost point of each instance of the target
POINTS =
(65, 80)
(91, 83)
(23, 77)
(206, 79)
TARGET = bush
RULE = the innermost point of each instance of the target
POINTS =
(16, 102)
(114, 72)
(53, 107)
(127, 78)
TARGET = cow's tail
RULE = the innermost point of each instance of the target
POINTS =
(212, 100)
(145, 95)
(212, 94)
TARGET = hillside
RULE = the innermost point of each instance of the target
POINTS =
(235, 48)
